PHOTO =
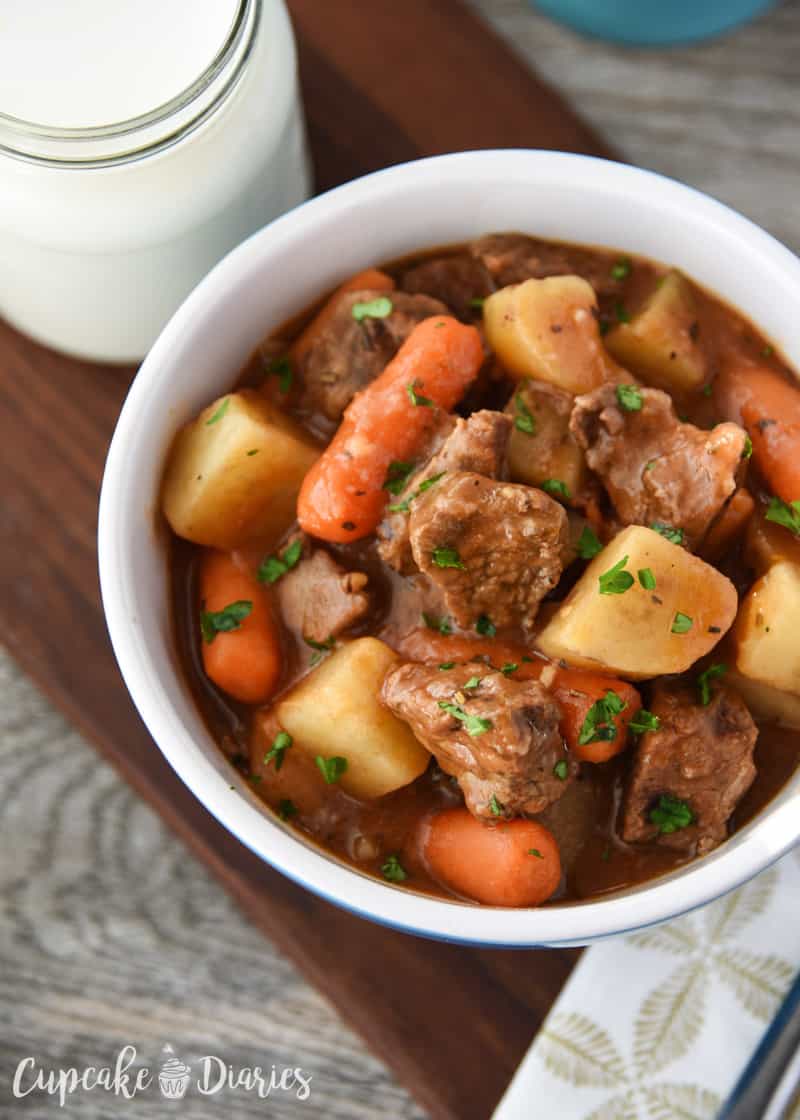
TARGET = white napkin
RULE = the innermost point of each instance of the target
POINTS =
(658, 1025)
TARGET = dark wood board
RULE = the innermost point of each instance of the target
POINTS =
(381, 84)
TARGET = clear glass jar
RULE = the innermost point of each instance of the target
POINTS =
(105, 228)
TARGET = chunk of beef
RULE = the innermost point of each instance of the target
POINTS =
(511, 258)
(654, 467)
(477, 444)
(494, 548)
(457, 280)
(319, 599)
(702, 756)
(348, 353)
(499, 739)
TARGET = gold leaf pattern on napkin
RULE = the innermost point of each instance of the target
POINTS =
(683, 1102)
(671, 1017)
(582, 1053)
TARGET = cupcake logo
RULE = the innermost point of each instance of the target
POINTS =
(173, 1078)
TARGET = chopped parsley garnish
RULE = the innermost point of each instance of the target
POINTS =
(477, 302)
(674, 536)
(712, 673)
(271, 569)
(283, 369)
(644, 721)
(280, 745)
(445, 665)
(605, 855)
(442, 624)
(397, 476)
(556, 487)
(485, 627)
(331, 768)
(523, 417)
(622, 269)
(473, 725)
(599, 725)
(671, 814)
(446, 557)
(222, 622)
(616, 580)
(649, 466)
(623, 316)
(252, 451)
(681, 623)
(561, 770)
(497, 807)
(377, 308)
(320, 648)
(748, 448)
(784, 513)
(287, 809)
(509, 667)
(393, 870)
(219, 412)
(589, 544)
(416, 398)
(472, 683)
(707, 390)
(629, 397)
(647, 579)
(426, 485)
(767, 351)
(403, 507)
(535, 852)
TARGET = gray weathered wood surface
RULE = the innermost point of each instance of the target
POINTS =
(110, 933)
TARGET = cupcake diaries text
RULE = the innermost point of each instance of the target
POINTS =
(172, 1078)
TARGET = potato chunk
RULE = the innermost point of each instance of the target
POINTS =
(541, 445)
(642, 632)
(660, 343)
(336, 711)
(767, 629)
(547, 329)
(765, 701)
(234, 473)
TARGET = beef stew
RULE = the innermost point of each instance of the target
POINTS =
(487, 574)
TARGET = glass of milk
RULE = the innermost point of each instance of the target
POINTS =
(140, 140)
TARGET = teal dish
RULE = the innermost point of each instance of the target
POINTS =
(645, 23)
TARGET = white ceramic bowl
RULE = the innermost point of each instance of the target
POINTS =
(276, 273)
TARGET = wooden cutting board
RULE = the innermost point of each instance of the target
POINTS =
(382, 83)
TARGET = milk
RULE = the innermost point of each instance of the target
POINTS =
(105, 226)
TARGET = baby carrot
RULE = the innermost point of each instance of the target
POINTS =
(512, 863)
(370, 280)
(342, 496)
(241, 646)
(577, 691)
(769, 408)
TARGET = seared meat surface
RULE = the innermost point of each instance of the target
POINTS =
(654, 467)
(319, 599)
(494, 548)
(700, 755)
(457, 280)
(512, 258)
(348, 353)
(477, 444)
(499, 738)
